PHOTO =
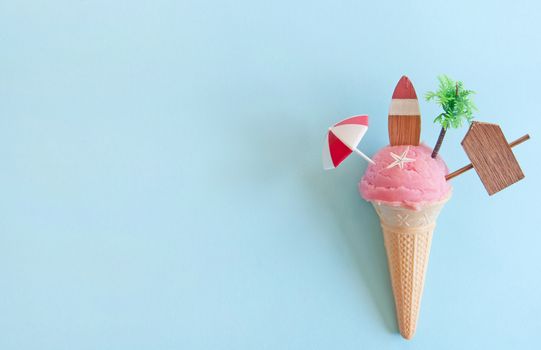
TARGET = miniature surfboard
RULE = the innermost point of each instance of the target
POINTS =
(404, 115)
(491, 156)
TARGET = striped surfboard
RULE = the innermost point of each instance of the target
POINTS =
(404, 115)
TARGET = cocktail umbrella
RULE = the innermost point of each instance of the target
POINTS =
(343, 139)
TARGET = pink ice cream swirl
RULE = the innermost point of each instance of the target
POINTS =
(413, 182)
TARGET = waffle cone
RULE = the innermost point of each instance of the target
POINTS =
(407, 234)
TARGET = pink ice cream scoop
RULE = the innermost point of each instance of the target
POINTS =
(405, 175)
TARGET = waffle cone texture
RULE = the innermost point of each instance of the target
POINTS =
(407, 235)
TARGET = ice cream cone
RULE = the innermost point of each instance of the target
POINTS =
(407, 235)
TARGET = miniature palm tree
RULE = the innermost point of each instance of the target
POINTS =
(456, 104)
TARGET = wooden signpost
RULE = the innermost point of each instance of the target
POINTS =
(404, 115)
(491, 157)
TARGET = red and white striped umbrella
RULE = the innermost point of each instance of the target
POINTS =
(343, 139)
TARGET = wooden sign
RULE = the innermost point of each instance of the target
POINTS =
(404, 115)
(491, 156)
(470, 166)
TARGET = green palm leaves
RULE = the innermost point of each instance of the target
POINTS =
(456, 103)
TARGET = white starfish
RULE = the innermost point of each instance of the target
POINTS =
(400, 159)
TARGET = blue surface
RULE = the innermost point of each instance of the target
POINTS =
(161, 181)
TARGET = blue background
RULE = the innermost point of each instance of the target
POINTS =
(161, 182)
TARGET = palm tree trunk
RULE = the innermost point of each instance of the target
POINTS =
(439, 142)
(442, 132)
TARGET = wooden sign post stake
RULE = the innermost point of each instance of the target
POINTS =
(470, 166)
(491, 157)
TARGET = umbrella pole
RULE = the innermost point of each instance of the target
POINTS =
(363, 155)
